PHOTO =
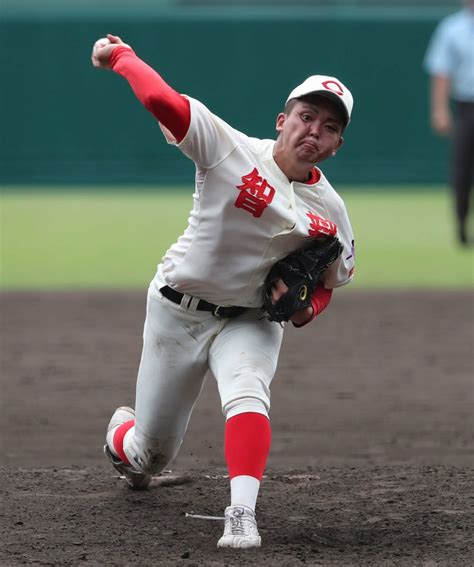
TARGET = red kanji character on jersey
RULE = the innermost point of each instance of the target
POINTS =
(255, 193)
(319, 226)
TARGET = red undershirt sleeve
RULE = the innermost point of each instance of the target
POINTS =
(319, 301)
(168, 106)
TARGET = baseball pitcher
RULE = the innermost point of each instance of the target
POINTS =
(268, 240)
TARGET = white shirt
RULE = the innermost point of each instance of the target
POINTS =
(246, 216)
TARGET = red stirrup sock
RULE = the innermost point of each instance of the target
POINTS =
(118, 439)
(247, 444)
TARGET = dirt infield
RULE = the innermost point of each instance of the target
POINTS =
(372, 455)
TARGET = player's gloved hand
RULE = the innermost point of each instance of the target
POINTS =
(298, 318)
(290, 283)
(103, 48)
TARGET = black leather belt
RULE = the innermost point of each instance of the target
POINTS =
(216, 310)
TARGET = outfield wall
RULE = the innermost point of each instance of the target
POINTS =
(64, 122)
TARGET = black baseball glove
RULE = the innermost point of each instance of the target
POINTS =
(300, 271)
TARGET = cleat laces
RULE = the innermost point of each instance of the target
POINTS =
(237, 523)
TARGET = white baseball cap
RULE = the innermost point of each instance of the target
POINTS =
(329, 87)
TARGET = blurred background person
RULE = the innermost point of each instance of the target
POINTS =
(450, 62)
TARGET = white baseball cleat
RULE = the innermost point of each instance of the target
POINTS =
(135, 479)
(240, 528)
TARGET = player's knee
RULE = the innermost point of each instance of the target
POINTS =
(150, 456)
(151, 461)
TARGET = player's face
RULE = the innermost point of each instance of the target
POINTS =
(312, 131)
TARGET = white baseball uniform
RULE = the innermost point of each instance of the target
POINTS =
(246, 216)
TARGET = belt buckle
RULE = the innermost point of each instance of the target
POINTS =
(216, 311)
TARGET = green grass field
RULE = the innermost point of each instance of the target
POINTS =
(104, 239)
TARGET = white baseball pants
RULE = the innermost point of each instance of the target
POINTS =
(179, 346)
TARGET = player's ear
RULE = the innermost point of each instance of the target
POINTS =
(280, 120)
(339, 144)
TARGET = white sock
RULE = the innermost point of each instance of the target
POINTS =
(244, 491)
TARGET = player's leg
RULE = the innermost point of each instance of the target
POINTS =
(243, 358)
(171, 374)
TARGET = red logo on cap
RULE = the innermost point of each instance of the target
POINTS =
(333, 86)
